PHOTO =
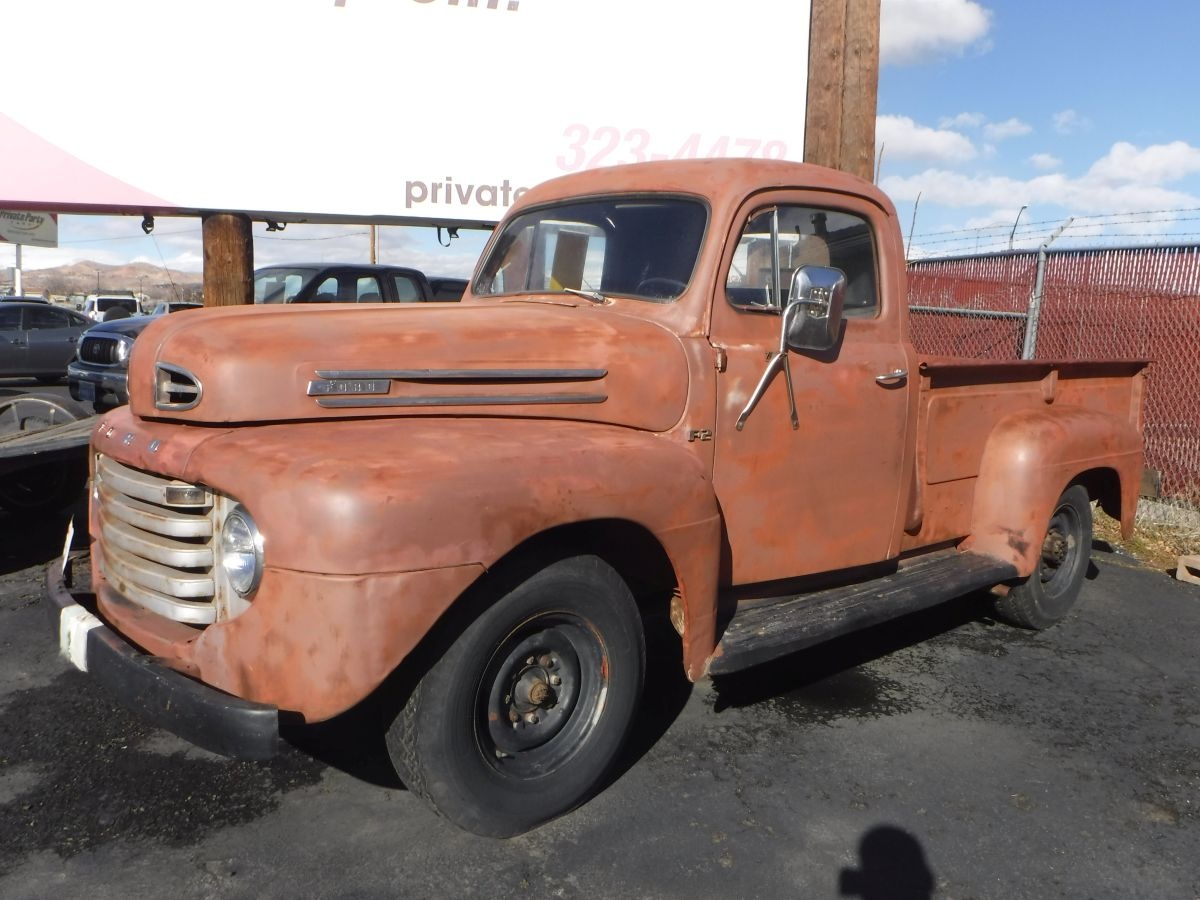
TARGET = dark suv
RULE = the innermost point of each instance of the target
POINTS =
(351, 283)
(99, 373)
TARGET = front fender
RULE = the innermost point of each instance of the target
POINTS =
(1030, 458)
(394, 496)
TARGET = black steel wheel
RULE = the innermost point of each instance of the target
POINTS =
(1046, 596)
(523, 716)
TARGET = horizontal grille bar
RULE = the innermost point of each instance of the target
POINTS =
(155, 548)
(144, 486)
(155, 519)
(125, 566)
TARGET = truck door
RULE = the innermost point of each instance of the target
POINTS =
(825, 494)
(14, 341)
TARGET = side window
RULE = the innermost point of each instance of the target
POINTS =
(10, 318)
(47, 318)
(368, 290)
(406, 289)
(327, 291)
(779, 240)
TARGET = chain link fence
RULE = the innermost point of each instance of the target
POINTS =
(1137, 303)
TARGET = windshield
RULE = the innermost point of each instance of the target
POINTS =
(643, 247)
(281, 283)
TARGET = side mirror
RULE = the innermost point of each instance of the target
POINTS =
(813, 317)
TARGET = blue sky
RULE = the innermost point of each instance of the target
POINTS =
(1071, 109)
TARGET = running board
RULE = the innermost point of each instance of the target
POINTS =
(774, 628)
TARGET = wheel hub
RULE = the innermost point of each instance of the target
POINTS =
(1054, 548)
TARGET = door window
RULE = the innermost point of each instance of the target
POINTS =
(780, 239)
(10, 318)
(47, 318)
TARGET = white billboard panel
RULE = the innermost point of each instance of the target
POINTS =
(34, 229)
(383, 110)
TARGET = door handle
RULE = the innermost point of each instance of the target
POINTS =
(891, 377)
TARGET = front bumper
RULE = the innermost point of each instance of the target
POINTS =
(202, 715)
(99, 384)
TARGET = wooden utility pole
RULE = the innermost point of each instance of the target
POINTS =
(843, 85)
(228, 260)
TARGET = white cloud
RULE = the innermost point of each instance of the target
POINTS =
(912, 31)
(1125, 180)
(1158, 164)
(963, 120)
(1000, 131)
(1068, 122)
(1045, 162)
(902, 138)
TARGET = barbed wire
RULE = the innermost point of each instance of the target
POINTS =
(1100, 218)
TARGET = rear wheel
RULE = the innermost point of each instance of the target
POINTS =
(523, 716)
(1047, 595)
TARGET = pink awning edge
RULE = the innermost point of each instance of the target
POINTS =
(36, 174)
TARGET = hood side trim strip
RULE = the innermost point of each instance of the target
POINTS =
(465, 374)
(510, 400)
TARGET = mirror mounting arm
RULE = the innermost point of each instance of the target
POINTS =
(778, 360)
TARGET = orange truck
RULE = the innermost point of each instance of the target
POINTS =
(681, 389)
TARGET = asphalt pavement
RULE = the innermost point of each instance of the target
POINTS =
(942, 755)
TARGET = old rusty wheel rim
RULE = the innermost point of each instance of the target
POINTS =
(1060, 550)
(541, 694)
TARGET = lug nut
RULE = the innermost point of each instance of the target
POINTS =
(555, 680)
(531, 718)
(514, 716)
(546, 661)
(530, 661)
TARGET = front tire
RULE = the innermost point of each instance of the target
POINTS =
(521, 719)
(1047, 595)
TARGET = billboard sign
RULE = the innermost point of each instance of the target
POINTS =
(33, 229)
(383, 110)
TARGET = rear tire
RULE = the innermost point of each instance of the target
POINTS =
(522, 718)
(1047, 595)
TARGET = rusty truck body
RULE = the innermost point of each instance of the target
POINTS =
(680, 388)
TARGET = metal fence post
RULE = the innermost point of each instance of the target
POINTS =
(1029, 348)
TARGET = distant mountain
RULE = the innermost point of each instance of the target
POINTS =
(87, 277)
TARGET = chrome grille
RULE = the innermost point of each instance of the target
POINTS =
(157, 541)
(99, 350)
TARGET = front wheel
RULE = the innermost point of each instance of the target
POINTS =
(1047, 595)
(523, 716)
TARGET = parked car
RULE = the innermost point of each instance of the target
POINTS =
(99, 374)
(99, 306)
(23, 298)
(348, 283)
(37, 339)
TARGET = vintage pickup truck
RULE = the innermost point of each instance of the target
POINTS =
(684, 389)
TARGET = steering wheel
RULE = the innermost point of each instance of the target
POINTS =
(660, 287)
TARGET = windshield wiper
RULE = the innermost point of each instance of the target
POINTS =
(594, 296)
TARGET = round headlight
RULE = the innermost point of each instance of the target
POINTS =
(241, 552)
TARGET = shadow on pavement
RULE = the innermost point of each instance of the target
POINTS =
(891, 866)
(31, 539)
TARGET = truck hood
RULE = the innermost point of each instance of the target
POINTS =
(514, 358)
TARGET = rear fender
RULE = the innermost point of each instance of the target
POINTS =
(1030, 458)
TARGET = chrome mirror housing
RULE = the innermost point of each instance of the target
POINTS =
(813, 317)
